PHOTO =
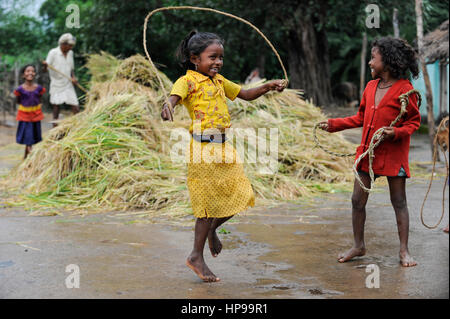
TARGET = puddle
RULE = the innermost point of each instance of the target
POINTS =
(5, 264)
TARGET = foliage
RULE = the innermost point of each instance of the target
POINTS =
(345, 28)
(22, 38)
(115, 26)
(118, 154)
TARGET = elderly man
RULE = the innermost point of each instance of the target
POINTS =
(61, 88)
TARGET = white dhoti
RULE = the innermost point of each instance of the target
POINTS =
(63, 94)
(61, 88)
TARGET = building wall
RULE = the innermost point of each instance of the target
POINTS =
(419, 84)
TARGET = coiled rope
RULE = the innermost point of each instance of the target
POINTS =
(285, 80)
(435, 143)
(377, 138)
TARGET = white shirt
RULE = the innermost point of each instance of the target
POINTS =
(61, 88)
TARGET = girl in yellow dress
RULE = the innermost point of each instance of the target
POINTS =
(218, 187)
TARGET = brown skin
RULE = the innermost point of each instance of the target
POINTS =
(205, 228)
(398, 200)
(248, 95)
(396, 184)
(28, 75)
(65, 48)
(209, 63)
(28, 149)
(386, 81)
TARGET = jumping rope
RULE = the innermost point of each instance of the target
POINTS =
(435, 143)
(285, 80)
(377, 138)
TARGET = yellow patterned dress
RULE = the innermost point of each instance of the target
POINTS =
(216, 180)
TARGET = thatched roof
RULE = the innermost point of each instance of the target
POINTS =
(435, 44)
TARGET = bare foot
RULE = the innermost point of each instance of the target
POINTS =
(446, 229)
(215, 246)
(198, 265)
(406, 260)
(352, 252)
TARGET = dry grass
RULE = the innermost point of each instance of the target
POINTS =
(116, 153)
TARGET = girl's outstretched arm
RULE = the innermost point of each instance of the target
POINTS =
(254, 93)
(339, 124)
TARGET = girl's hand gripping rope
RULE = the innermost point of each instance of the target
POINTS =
(167, 112)
(278, 85)
(323, 126)
(388, 132)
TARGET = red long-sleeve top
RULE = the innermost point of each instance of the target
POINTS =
(391, 154)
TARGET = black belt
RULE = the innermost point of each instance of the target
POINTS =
(210, 138)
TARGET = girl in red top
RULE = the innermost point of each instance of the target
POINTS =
(393, 60)
(30, 114)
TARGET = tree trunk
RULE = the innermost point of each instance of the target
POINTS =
(429, 92)
(362, 80)
(443, 88)
(261, 64)
(16, 79)
(308, 60)
(395, 23)
(1, 92)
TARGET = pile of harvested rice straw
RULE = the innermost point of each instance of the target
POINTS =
(115, 155)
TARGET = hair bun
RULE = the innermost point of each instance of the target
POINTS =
(189, 37)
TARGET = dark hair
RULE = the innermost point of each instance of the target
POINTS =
(22, 70)
(398, 57)
(194, 44)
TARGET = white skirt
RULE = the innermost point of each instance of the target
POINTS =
(65, 95)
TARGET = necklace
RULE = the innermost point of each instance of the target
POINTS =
(384, 87)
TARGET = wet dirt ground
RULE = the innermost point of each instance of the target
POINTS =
(288, 251)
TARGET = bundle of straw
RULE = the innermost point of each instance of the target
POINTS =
(302, 168)
(116, 153)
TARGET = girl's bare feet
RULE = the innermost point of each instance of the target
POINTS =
(28, 149)
(215, 245)
(198, 265)
(406, 260)
(352, 252)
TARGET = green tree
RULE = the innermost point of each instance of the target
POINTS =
(21, 37)
(318, 41)
(346, 24)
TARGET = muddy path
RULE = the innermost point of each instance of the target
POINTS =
(288, 251)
